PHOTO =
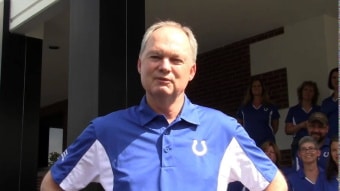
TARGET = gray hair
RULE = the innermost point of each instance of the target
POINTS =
(308, 139)
(160, 24)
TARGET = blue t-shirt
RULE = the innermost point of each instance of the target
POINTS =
(330, 108)
(135, 149)
(257, 122)
(296, 115)
(297, 181)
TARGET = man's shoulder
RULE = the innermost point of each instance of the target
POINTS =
(206, 109)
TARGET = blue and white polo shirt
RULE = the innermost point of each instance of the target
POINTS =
(136, 149)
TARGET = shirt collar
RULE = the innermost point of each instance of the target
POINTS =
(189, 112)
(301, 173)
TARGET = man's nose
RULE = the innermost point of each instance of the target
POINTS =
(165, 65)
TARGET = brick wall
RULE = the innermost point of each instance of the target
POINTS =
(223, 74)
(286, 159)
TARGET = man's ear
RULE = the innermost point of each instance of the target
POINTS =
(139, 65)
(192, 71)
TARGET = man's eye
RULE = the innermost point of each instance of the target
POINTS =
(176, 61)
(155, 57)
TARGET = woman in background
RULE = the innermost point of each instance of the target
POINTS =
(310, 177)
(330, 105)
(332, 172)
(258, 115)
(272, 151)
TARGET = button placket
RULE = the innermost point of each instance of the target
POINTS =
(167, 158)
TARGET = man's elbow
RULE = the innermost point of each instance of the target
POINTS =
(48, 184)
(279, 183)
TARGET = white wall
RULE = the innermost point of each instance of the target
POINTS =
(331, 31)
(27, 15)
(308, 50)
(54, 70)
(24, 10)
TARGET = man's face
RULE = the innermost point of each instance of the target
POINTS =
(317, 130)
(166, 65)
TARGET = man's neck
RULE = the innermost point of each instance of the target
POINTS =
(166, 105)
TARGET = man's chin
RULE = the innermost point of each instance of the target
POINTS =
(162, 92)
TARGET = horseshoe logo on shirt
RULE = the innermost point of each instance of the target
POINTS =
(201, 152)
(325, 154)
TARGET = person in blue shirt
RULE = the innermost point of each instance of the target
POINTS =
(165, 143)
(297, 116)
(311, 177)
(330, 105)
(318, 129)
(332, 170)
(258, 115)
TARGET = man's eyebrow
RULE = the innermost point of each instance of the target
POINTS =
(159, 52)
(154, 52)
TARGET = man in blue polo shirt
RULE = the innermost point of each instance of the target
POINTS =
(165, 143)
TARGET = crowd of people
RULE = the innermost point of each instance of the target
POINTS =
(307, 122)
(169, 143)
